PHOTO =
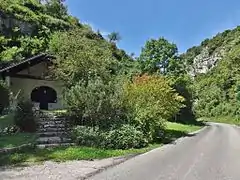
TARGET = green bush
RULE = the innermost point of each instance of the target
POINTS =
(9, 130)
(86, 136)
(125, 137)
(150, 102)
(95, 103)
(4, 96)
(24, 116)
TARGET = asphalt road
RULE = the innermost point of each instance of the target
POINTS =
(212, 154)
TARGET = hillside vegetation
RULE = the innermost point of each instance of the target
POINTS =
(26, 28)
(113, 100)
(216, 66)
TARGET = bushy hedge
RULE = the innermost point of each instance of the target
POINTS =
(95, 103)
(124, 137)
(87, 136)
(24, 116)
(128, 115)
(4, 96)
(9, 130)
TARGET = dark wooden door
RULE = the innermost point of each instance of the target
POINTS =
(44, 95)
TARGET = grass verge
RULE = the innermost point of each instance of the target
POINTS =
(61, 154)
(6, 121)
(15, 140)
(175, 130)
(182, 127)
(223, 119)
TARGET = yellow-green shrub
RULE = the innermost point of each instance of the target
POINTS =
(150, 102)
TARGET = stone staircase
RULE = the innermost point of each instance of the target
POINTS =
(53, 130)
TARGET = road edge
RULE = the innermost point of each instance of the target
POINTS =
(121, 160)
(200, 130)
(126, 158)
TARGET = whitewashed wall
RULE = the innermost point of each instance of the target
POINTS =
(26, 86)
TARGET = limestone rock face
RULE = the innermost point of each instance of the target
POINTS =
(205, 61)
(8, 22)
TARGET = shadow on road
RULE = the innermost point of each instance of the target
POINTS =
(172, 135)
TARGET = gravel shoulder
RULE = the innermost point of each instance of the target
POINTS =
(71, 170)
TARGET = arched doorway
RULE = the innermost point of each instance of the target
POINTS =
(44, 95)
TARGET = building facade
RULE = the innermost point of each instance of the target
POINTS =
(30, 79)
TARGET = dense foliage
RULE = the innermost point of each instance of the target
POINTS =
(96, 103)
(87, 136)
(26, 26)
(159, 55)
(81, 55)
(114, 100)
(24, 116)
(123, 137)
(150, 102)
(4, 96)
(215, 91)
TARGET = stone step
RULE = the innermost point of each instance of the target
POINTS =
(53, 119)
(53, 140)
(42, 146)
(44, 126)
(51, 122)
(47, 116)
(53, 129)
(52, 134)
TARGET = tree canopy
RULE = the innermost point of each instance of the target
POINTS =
(114, 37)
(158, 55)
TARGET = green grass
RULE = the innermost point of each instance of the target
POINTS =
(223, 119)
(182, 127)
(61, 154)
(15, 140)
(175, 130)
(6, 121)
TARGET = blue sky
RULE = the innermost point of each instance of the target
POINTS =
(184, 22)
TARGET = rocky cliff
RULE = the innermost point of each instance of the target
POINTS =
(8, 22)
(201, 59)
(215, 66)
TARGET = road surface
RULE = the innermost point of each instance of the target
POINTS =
(213, 154)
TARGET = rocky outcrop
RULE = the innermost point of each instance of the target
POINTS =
(8, 22)
(204, 62)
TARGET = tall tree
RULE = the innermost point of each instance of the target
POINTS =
(56, 8)
(81, 58)
(114, 37)
(158, 55)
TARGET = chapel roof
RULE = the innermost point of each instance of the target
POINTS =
(16, 66)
